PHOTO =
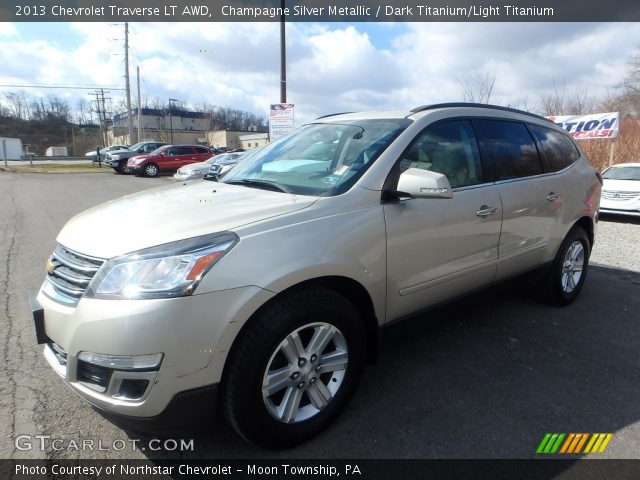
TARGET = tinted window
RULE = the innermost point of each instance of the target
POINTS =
(450, 149)
(184, 151)
(201, 150)
(511, 149)
(557, 147)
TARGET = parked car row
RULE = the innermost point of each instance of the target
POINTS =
(118, 160)
(167, 159)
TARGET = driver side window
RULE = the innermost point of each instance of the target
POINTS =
(448, 148)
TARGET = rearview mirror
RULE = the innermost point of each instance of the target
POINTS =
(418, 183)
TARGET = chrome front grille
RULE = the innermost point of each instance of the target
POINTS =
(70, 273)
(613, 195)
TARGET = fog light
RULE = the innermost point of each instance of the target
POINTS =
(133, 389)
(123, 362)
(95, 376)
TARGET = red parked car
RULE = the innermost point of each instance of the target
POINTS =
(167, 159)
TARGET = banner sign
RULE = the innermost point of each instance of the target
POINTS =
(595, 125)
(280, 120)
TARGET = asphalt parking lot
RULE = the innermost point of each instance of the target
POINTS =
(485, 377)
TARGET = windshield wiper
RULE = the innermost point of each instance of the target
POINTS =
(269, 185)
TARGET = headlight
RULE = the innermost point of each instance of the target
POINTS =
(136, 161)
(170, 270)
(114, 157)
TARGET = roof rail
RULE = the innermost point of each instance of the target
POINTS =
(332, 115)
(422, 108)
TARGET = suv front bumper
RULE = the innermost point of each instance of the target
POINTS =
(193, 334)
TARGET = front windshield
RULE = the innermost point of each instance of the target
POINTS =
(136, 146)
(622, 173)
(320, 159)
(159, 150)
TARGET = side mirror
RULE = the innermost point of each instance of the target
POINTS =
(418, 183)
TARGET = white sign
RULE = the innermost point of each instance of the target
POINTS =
(595, 125)
(280, 120)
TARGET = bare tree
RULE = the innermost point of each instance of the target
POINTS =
(17, 104)
(631, 87)
(478, 87)
(559, 103)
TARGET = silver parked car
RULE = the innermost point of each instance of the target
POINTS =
(266, 293)
(225, 162)
(200, 169)
(621, 190)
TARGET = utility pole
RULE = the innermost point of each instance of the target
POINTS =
(99, 115)
(139, 109)
(104, 113)
(283, 57)
(128, 86)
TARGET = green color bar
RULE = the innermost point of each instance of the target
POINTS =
(555, 448)
(550, 443)
(543, 443)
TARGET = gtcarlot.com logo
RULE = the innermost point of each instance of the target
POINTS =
(573, 443)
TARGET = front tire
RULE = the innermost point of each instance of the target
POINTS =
(294, 368)
(566, 276)
(151, 170)
(121, 166)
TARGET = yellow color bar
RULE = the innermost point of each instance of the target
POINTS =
(605, 442)
(594, 437)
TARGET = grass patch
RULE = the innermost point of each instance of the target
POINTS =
(53, 168)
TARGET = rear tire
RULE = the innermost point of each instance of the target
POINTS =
(294, 368)
(566, 276)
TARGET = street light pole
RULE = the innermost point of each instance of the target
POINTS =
(283, 57)
(171, 118)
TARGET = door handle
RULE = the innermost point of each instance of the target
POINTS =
(553, 196)
(485, 211)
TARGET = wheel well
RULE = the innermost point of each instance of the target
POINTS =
(358, 295)
(587, 224)
(352, 291)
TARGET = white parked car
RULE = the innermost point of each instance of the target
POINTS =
(103, 152)
(266, 292)
(621, 189)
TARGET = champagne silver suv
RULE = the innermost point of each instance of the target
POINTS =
(264, 293)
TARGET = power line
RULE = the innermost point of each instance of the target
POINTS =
(72, 87)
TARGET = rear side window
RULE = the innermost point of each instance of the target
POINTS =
(184, 151)
(558, 149)
(448, 148)
(511, 149)
(201, 150)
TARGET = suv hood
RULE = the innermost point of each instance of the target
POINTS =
(170, 213)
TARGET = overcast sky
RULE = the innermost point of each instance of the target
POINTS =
(331, 67)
